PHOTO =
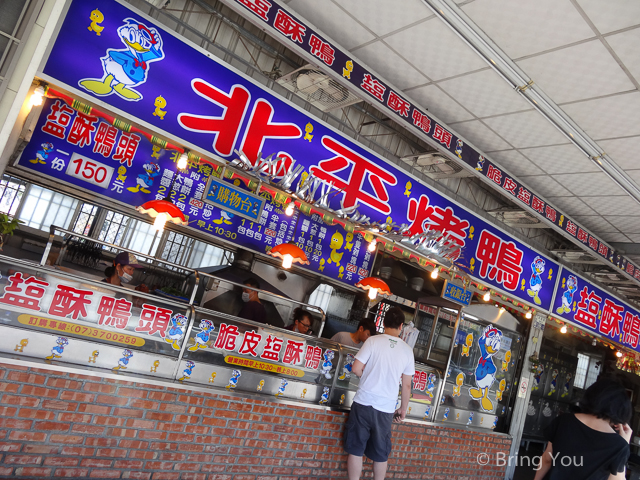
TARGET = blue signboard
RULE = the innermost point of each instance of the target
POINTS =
(181, 91)
(595, 310)
(457, 294)
(233, 199)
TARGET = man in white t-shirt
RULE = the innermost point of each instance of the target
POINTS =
(381, 362)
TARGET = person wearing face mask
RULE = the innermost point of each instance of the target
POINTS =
(302, 322)
(252, 309)
(122, 269)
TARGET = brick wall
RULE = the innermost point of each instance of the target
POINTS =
(55, 424)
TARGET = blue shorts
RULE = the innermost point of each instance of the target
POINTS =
(368, 432)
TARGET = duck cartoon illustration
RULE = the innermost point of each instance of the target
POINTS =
(324, 398)
(57, 351)
(480, 163)
(346, 369)
(431, 385)
(349, 244)
(495, 423)
(282, 387)
(554, 382)
(458, 150)
(201, 339)
(446, 414)
(145, 180)
(175, 330)
(567, 296)
(43, 154)
(225, 217)
(485, 373)
(427, 412)
(535, 282)
(567, 385)
(96, 18)
(304, 393)
(154, 368)
(159, 103)
(347, 69)
(20, 347)
(212, 379)
(531, 410)
(124, 361)
(470, 420)
(127, 68)
(308, 128)
(507, 359)
(458, 385)
(342, 399)
(537, 377)
(186, 373)
(94, 356)
(501, 387)
(326, 363)
(546, 411)
(233, 381)
(468, 343)
(407, 189)
(337, 240)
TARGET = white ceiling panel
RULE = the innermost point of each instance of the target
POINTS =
(560, 159)
(484, 93)
(481, 136)
(611, 15)
(516, 163)
(624, 223)
(589, 184)
(624, 151)
(439, 103)
(546, 186)
(609, 205)
(525, 28)
(422, 46)
(614, 237)
(394, 69)
(526, 129)
(625, 45)
(571, 205)
(382, 16)
(595, 223)
(574, 73)
(609, 117)
(332, 21)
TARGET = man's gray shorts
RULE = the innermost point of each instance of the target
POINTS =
(368, 432)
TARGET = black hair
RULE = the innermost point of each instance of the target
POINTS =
(367, 324)
(607, 399)
(252, 282)
(393, 318)
(299, 313)
(110, 271)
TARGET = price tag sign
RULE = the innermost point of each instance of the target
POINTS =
(90, 171)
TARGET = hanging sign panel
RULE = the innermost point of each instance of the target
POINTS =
(139, 68)
(595, 310)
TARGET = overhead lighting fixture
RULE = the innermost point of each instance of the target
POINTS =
(563, 329)
(502, 309)
(372, 245)
(163, 211)
(291, 206)
(183, 161)
(434, 273)
(37, 96)
(486, 297)
(528, 315)
(373, 286)
(290, 253)
(619, 354)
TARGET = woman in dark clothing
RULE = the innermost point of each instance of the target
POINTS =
(593, 444)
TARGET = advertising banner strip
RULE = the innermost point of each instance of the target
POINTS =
(594, 310)
(148, 73)
(300, 36)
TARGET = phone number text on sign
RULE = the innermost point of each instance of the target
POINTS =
(90, 171)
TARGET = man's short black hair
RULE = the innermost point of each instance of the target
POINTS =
(367, 324)
(393, 318)
(607, 399)
(252, 282)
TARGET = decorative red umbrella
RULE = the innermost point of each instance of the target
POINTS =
(289, 253)
(374, 286)
(163, 211)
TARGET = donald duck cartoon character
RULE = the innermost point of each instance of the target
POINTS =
(124, 361)
(326, 364)
(489, 344)
(459, 145)
(554, 382)
(201, 339)
(127, 68)
(324, 399)
(56, 352)
(43, 153)
(282, 387)
(537, 377)
(431, 385)
(567, 385)
(145, 180)
(535, 282)
(176, 330)
(186, 373)
(567, 296)
(346, 369)
(233, 381)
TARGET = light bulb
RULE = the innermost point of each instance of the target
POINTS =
(501, 309)
(290, 208)
(373, 293)
(183, 161)
(372, 245)
(486, 297)
(618, 354)
(287, 261)
(161, 219)
(528, 315)
(36, 98)
(563, 329)
(434, 273)
(594, 342)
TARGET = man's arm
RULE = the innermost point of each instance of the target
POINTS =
(357, 367)
(546, 462)
(404, 402)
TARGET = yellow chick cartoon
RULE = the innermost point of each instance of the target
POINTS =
(459, 381)
(96, 17)
(304, 393)
(321, 266)
(341, 399)
(407, 189)
(503, 385)
(213, 377)
(23, 343)
(505, 362)
(349, 244)
(156, 364)
(336, 244)
(260, 385)
(467, 345)
(160, 103)
(308, 128)
(94, 356)
(346, 72)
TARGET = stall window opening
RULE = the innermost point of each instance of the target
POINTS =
(207, 255)
(11, 191)
(321, 296)
(177, 248)
(42, 207)
(587, 371)
(85, 218)
(114, 227)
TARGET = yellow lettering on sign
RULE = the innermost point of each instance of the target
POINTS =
(266, 366)
(83, 330)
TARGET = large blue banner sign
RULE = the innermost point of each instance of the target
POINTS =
(143, 70)
(595, 310)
